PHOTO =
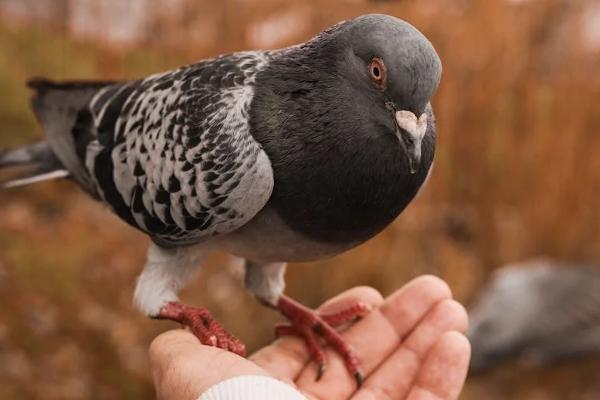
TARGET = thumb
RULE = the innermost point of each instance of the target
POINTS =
(183, 368)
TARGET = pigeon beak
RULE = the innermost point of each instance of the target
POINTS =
(410, 134)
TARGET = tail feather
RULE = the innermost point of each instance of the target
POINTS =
(36, 163)
(34, 154)
(58, 107)
(43, 85)
(34, 178)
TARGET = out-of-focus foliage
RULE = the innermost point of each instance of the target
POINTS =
(516, 175)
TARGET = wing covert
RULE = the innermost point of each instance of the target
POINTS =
(173, 154)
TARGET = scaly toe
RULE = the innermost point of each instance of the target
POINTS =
(203, 326)
(310, 326)
(350, 314)
(285, 330)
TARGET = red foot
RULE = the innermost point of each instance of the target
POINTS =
(203, 326)
(308, 324)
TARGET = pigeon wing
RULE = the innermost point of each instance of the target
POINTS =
(173, 154)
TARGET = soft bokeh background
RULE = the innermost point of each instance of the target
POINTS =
(516, 175)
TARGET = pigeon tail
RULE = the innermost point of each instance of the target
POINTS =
(35, 163)
(59, 107)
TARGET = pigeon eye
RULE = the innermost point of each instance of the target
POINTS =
(377, 72)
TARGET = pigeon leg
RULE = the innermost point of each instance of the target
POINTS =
(203, 325)
(309, 325)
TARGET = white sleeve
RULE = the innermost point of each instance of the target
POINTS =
(251, 388)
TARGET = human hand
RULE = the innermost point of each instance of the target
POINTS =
(411, 346)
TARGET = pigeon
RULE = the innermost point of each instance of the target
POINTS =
(287, 155)
(539, 311)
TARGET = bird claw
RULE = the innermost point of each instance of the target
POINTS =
(309, 325)
(321, 370)
(203, 325)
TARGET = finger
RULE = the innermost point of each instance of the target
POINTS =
(286, 357)
(375, 337)
(182, 367)
(394, 378)
(445, 369)
(417, 297)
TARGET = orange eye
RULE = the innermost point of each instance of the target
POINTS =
(377, 71)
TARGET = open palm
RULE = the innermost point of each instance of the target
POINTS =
(411, 346)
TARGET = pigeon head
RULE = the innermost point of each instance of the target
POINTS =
(397, 68)
(346, 122)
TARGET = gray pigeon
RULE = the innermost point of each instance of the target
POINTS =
(538, 310)
(294, 154)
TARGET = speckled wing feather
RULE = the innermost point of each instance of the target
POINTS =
(173, 155)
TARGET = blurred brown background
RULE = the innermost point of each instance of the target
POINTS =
(516, 175)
